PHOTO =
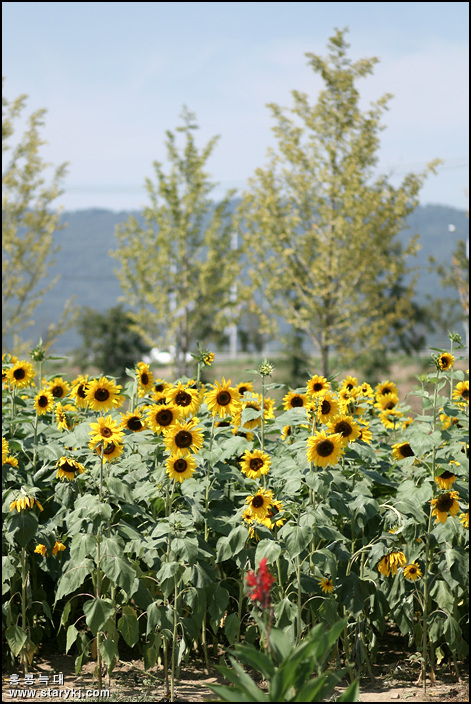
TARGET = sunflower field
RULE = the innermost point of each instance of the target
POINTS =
(134, 516)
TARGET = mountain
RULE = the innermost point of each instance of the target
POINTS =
(87, 270)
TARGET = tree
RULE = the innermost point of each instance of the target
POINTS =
(109, 343)
(452, 310)
(28, 222)
(177, 269)
(320, 228)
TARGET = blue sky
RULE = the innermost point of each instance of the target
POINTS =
(114, 78)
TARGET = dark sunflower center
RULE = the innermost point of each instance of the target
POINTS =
(57, 391)
(252, 405)
(134, 423)
(444, 502)
(81, 391)
(164, 417)
(19, 374)
(257, 501)
(109, 449)
(180, 465)
(144, 379)
(66, 467)
(349, 387)
(447, 475)
(102, 394)
(296, 402)
(386, 391)
(242, 390)
(223, 424)
(158, 388)
(325, 407)
(42, 401)
(389, 406)
(406, 450)
(344, 428)
(183, 438)
(255, 463)
(106, 432)
(412, 570)
(465, 393)
(325, 448)
(317, 387)
(183, 399)
(223, 398)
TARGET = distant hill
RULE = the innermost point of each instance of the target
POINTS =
(86, 268)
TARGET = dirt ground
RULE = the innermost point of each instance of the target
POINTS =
(395, 678)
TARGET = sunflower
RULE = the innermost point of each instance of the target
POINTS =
(406, 422)
(412, 571)
(185, 398)
(445, 480)
(366, 391)
(184, 436)
(445, 504)
(268, 407)
(327, 407)
(161, 417)
(21, 374)
(41, 549)
(61, 418)
(464, 519)
(79, 391)
(12, 461)
(390, 418)
(327, 585)
(345, 426)
(160, 386)
(286, 433)
(260, 503)
(401, 450)
(145, 379)
(461, 392)
(68, 468)
(294, 400)
(244, 387)
(58, 387)
(347, 398)
(103, 394)
(133, 422)
(223, 400)
(445, 361)
(106, 430)
(111, 452)
(365, 433)
(255, 463)
(385, 387)
(25, 502)
(180, 466)
(273, 511)
(317, 385)
(349, 383)
(253, 401)
(5, 449)
(58, 547)
(386, 402)
(44, 402)
(389, 563)
(324, 450)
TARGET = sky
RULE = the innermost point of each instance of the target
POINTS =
(114, 78)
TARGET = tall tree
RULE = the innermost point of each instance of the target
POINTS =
(28, 220)
(319, 227)
(452, 310)
(177, 269)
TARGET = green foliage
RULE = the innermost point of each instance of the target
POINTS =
(287, 671)
(176, 271)
(109, 342)
(28, 223)
(320, 231)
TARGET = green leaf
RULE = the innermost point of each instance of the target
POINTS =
(72, 634)
(128, 626)
(120, 571)
(269, 549)
(16, 638)
(231, 627)
(351, 694)
(73, 578)
(23, 527)
(97, 611)
(109, 652)
(296, 538)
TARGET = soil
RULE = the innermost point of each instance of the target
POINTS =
(394, 678)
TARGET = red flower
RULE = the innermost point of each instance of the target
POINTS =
(260, 583)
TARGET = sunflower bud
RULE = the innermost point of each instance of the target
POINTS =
(266, 368)
(38, 353)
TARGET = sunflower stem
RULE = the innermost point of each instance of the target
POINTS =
(24, 623)
(208, 468)
(35, 441)
(300, 606)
